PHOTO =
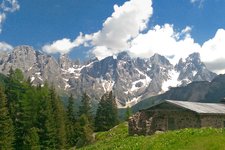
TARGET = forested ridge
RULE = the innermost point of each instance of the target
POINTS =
(34, 117)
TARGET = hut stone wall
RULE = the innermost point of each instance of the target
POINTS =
(166, 116)
(148, 122)
(216, 121)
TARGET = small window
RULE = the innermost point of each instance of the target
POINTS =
(171, 124)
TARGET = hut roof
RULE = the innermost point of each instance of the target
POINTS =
(201, 108)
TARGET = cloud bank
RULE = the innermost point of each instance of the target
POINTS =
(7, 6)
(165, 41)
(125, 23)
(126, 30)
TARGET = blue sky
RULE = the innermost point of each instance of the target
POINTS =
(184, 26)
(41, 21)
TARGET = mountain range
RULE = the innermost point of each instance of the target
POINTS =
(198, 91)
(131, 79)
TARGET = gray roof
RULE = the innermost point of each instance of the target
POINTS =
(201, 108)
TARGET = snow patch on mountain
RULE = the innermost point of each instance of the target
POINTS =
(172, 81)
(71, 70)
(107, 85)
(194, 73)
(32, 79)
(141, 82)
(132, 102)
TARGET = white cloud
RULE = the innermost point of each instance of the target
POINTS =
(5, 46)
(213, 51)
(65, 45)
(7, 6)
(123, 31)
(165, 41)
(214, 48)
(61, 46)
(125, 23)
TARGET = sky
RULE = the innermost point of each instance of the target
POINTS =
(101, 28)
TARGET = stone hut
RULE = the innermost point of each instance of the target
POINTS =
(173, 115)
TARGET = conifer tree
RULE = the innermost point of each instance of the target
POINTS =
(85, 132)
(84, 127)
(15, 91)
(59, 115)
(6, 125)
(101, 119)
(46, 123)
(70, 109)
(31, 139)
(71, 123)
(106, 115)
(113, 110)
(85, 107)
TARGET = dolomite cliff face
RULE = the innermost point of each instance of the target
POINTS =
(131, 79)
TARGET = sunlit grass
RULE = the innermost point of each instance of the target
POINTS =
(186, 139)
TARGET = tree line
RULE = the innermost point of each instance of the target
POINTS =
(34, 117)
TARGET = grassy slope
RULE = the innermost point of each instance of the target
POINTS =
(186, 139)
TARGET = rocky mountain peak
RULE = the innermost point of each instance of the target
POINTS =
(192, 62)
(123, 56)
(159, 60)
(193, 69)
(132, 79)
(22, 57)
(24, 49)
(195, 60)
(193, 56)
(65, 62)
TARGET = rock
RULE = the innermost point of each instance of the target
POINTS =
(131, 79)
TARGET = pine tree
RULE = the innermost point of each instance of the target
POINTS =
(70, 109)
(45, 121)
(17, 103)
(85, 107)
(113, 110)
(85, 132)
(107, 113)
(71, 123)
(59, 115)
(101, 119)
(31, 139)
(6, 125)
(84, 127)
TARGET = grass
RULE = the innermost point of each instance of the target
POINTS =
(185, 139)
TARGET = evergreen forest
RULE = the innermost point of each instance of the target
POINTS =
(35, 117)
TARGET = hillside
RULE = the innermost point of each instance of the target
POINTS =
(188, 139)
